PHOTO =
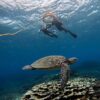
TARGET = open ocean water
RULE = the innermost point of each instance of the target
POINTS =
(28, 43)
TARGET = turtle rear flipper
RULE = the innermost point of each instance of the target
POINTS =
(28, 67)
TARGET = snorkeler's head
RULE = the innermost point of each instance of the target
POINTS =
(48, 17)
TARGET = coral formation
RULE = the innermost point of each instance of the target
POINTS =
(76, 89)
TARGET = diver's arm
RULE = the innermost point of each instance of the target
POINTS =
(11, 34)
(49, 33)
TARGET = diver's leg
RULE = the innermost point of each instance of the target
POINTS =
(61, 28)
(71, 33)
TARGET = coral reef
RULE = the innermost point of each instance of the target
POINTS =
(76, 89)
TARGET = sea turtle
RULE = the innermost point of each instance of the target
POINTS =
(51, 62)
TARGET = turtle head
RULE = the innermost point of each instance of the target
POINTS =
(27, 67)
(71, 60)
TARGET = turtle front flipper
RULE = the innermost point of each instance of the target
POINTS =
(65, 74)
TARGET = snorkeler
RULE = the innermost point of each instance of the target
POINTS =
(50, 19)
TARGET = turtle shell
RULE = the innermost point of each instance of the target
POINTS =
(48, 62)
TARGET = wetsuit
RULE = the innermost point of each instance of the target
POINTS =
(57, 24)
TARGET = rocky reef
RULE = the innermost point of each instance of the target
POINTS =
(76, 89)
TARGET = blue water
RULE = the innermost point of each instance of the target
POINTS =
(80, 16)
